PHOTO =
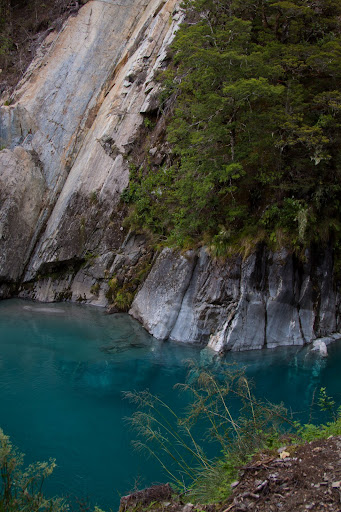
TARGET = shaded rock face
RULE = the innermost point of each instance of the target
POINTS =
(266, 301)
(72, 124)
(22, 191)
(158, 305)
(69, 129)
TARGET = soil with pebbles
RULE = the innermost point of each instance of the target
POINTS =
(299, 479)
(308, 477)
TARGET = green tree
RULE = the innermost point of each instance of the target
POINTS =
(5, 31)
(255, 125)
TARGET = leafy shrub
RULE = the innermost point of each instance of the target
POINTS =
(214, 402)
(21, 488)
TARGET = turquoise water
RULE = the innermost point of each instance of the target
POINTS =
(63, 368)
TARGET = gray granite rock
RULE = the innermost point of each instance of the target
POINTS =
(283, 323)
(248, 326)
(265, 301)
(327, 296)
(306, 306)
(86, 217)
(74, 113)
(198, 316)
(22, 188)
(158, 303)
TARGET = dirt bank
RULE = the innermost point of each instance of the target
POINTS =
(298, 479)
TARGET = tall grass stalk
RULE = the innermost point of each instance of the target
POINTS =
(221, 409)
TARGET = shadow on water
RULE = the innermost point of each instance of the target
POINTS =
(63, 368)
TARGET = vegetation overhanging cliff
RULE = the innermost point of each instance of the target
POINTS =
(228, 139)
(252, 103)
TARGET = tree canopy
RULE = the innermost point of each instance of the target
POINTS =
(255, 128)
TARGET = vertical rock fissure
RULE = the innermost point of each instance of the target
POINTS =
(300, 325)
(265, 300)
(196, 261)
(316, 296)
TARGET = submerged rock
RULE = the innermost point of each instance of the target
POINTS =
(320, 346)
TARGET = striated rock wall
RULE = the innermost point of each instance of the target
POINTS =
(266, 301)
(78, 114)
(79, 110)
(22, 191)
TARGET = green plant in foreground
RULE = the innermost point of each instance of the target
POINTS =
(21, 488)
(230, 416)
(224, 410)
(309, 431)
(326, 403)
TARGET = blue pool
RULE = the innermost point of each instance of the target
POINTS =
(63, 368)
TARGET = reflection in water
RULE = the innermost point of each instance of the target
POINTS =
(62, 372)
(36, 309)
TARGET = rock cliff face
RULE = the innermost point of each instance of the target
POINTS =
(266, 301)
(74, 120)
(75, 117)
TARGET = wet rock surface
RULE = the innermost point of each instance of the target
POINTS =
(266, 301)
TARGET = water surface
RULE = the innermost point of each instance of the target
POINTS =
(63, 368)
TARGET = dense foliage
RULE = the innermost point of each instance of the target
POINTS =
(21, 489)
(254, 130)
